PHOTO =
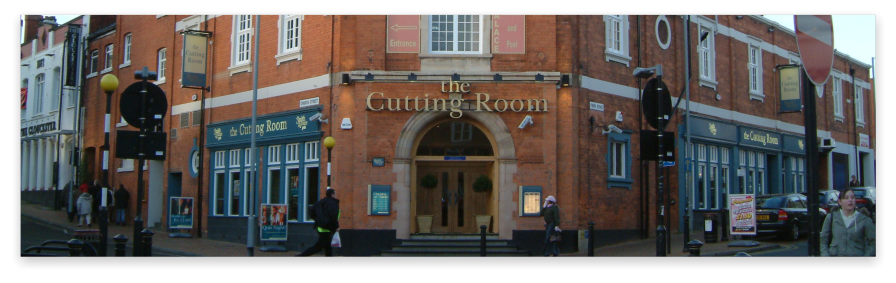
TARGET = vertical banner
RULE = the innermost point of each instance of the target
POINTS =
(509, 34)
(742, 211)
(403, 34)
(71, 55)
(790, 89)
(273, 222)
(195, 57)
(180, 213)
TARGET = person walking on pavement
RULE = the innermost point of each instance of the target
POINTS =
(325, 213)
(75, 194)
(551, 213)
(853, 182)
(85, 205)
(94, 192)
(121, 204)
(848, 231)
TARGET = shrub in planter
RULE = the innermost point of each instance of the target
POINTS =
(482, 184)
(429, 181)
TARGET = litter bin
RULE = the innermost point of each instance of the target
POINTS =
(710, 232)
(91, 239)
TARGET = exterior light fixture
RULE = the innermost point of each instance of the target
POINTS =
(564, 80)
(368, 77)
(412, 77)
(498, 78)
(539, 77)
(346, 79)
(455, 77)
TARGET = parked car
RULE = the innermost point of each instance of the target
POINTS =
(865, 197)
(827, 200)
(784, 214)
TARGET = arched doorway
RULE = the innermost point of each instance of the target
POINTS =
(450, 156)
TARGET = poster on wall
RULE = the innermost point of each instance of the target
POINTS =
(742, 213)
(180, 213)
(273, 222)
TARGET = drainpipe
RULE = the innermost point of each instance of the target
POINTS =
(855, 122)
(687, 128)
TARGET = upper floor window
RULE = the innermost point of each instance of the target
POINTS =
(290, 47)
(617, 39)
(312, 152)
(860, 105)
(455, 34)
(94, 60)
(755, 68)
(54, 93)
(707, 58)
(37, 106)
(219, 159)
(163, 60)
(838, 97)
(127, 49)
(619, 159)
(292, 152)
(242, 29)
(108, 63)
(40, 63)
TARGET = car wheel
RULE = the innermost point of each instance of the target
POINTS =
(794, 232)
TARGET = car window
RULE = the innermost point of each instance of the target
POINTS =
(772, 202)
(794, 202)
(859, 193)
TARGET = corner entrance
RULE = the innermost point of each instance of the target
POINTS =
(452, 203)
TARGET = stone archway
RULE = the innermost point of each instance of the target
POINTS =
(505, 153)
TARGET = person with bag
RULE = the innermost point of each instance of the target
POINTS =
(848, 231)
(551, 213)
(85, 206)
(325, 213)
(121, 204)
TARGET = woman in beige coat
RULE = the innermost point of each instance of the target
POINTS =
(847, 231)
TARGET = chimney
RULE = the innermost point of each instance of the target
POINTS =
(32, 22)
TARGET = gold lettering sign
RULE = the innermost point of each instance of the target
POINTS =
(426, 104)
(218, 133)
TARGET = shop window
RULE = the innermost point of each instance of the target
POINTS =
(219, 191)
(219, 158)
(701, 185)
(235, 158)
(273, 154)
(250, 157)
(275, 194)
(312, 151)
(249, 176)
(290, 47)
(234, 195)
(455, 34)
(312, 187)
(293, 187)
(617, 39)
(619, 159)
(292, 153)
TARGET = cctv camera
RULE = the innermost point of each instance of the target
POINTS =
(315, 117)
(614, 129)
(526, 121)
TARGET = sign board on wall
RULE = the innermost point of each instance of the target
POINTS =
(195, 59)
(530, 200)
(509, 34)
(403, 34)
(864, 140)
(790, 89)
(379, 200)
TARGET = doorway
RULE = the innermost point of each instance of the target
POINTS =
(452, 202)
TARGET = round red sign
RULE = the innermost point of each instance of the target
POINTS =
(815, 42)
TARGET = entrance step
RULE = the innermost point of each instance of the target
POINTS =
(453, 245)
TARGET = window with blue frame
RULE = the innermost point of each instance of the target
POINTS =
(619, 160)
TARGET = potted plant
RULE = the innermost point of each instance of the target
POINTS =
(482, 185)
(424, 221)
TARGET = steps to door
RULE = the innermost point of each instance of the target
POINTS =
(453, 245)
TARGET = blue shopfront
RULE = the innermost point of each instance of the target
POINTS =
(727, 158)
(288, 154)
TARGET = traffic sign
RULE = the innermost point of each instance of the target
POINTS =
(649, 103)
(127, 145)
(815, 42)
(156, 105)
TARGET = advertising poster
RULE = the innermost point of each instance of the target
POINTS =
(273, 222)
(180, 213)
(742, 213)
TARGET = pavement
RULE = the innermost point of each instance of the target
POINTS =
(214, 248)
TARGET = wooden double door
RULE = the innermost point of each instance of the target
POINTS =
(453, 203)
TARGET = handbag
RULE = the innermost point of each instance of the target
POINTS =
(555, 237)
(336, 242)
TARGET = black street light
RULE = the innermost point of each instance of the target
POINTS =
(645, 73)
(109, 83)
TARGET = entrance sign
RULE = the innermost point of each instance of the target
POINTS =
(273, 222)
(815, 41)
(742, 213)
(403, 34)
(379, 200)
(790, 89)
(194, 61)
(180, 213)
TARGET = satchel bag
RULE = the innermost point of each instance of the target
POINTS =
(555, 236)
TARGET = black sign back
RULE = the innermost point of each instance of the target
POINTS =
(156, 105)
(649, 103)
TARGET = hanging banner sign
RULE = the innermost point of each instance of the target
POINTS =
(509, 34)
(742, 213)
(180, 213)
(72, 39)
(273, 222)
(790, 89)
(195, 58)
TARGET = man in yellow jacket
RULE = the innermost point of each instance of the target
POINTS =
(325, 213)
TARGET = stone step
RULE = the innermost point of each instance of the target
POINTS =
(450, 253)
(453, 248)
(452, 236)
(489, 243)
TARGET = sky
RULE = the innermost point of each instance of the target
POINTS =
(853, 34)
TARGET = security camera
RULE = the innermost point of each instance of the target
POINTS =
(318, 117)
(611, 128)
(526, 121)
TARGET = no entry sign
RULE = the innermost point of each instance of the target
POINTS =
(815, 42)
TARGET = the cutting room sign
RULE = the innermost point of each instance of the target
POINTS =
(39, 129)
(377, 101)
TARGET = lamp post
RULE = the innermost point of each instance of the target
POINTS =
(109, 83)
(661, 228)
(329, 143)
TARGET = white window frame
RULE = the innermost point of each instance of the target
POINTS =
(126, 59)
(305, 217)
(290, 38)
(702, 192)
(707, 59)
(859, 100)
(229, 191)
(126, 165)
(838, 98)
(299, 205)
(248, 155)
(312, 151)
(273, 154)
(94, 62)
(617, 171)
(38, 94)
(108, 61)
(713, 194)
(241, 44)
(269, 183)
(754, 72)
(215, 196)
(54, 93)
(293, 152)
(162, 65)
(219, 159)
(613, 36)
(235, 158)
(248, 175)
(455, 32)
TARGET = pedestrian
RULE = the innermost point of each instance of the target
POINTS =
(551, 213)
(848, 231)
(85, 205)
(121, 204)
(94, 192)
(326, 215)
(73, 200)
(853, 182)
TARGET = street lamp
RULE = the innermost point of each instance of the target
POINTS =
(645, 73)
(109, 83)
(329, 143)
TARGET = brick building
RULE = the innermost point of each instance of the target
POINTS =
(523, 103)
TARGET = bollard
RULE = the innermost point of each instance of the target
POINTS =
(742, 254)
(74, 247)
(120, 241)
(724, 230)
(138, 239)
(591, 238)
(694, 246)
(482, 240)
(147, 242)
(104, 230)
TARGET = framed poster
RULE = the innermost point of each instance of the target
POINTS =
(180, 213)
(379, 200)
(273, 222)
(530, 200)
(742, 213)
